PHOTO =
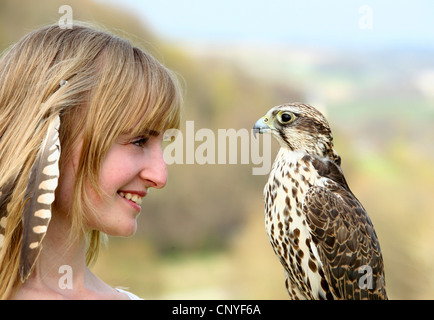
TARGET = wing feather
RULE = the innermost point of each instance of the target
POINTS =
(346, 240)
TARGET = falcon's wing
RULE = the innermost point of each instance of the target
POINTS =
(346, 240)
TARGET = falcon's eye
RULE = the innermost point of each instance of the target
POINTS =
(286, 117)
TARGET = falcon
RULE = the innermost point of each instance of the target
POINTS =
(318, 229)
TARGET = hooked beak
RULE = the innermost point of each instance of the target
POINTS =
(262, 125)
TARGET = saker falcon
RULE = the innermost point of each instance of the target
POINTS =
(319, 230)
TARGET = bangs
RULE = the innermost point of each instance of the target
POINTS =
(154, 100)
(134, 95)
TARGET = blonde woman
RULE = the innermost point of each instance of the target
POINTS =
(82, 114)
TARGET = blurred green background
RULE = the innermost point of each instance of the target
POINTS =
(203, 237)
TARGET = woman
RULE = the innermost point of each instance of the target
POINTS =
(82, 115)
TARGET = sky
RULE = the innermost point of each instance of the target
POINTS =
(350, 23)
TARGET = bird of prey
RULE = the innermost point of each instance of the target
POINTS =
(321, 233)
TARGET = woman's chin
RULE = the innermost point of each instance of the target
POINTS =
(122, 230)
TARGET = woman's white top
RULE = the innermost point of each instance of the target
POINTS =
(130, 295)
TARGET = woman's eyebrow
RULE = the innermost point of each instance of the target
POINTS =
(144, 133)
(153, 133)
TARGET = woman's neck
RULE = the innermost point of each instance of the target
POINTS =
(61, 267)
(61, 271)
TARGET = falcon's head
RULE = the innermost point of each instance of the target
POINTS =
(299, 127)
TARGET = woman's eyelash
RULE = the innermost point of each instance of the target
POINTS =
(140, 142)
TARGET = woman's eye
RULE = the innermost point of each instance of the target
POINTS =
(141, 141)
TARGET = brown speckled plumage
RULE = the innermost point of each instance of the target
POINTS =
(319, 230)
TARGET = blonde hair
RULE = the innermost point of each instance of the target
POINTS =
(113, 88)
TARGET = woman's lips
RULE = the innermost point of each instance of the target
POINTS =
(134, 198)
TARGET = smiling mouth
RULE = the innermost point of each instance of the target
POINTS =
(132, 197)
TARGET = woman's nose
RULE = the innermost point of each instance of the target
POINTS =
(155, 169)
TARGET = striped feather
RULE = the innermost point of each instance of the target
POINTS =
(5, 197)
(39, 197)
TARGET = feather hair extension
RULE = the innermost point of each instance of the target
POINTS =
(38, 198)
(5, 196)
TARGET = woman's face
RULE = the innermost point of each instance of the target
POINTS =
(131, 166)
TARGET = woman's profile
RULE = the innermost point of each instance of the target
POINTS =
(82, 116)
